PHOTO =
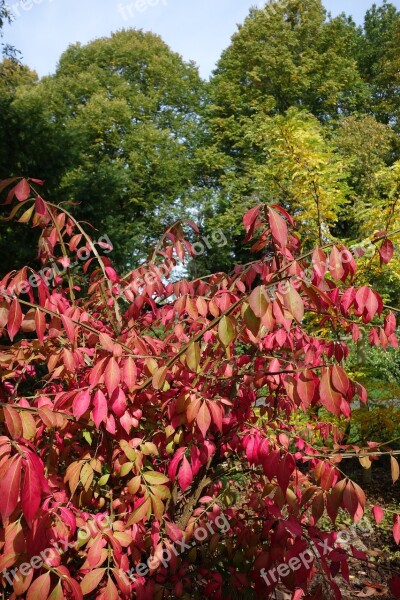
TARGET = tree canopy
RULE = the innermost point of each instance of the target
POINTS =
(118, 124)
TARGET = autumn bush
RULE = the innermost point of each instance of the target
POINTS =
(137, 409)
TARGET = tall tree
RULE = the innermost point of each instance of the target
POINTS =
(291, 56)
(379, 60)
(120, 122)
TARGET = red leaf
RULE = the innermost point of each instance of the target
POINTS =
(359, 554)
(99, 408)
(185, 475)
(106, 342)
(361, 392)
(159, 378)
(371, 307)
(396, 528)
(118, 402)
(395, 586)
(14, 319)
(203, 419)
(279, 228)
(111, 592)
(329, 397)
(129, 373)
(31, 492)
(69, 327)
(96, 373)
(386, 251)
(92, 580)
(112, 375)
(249, 220)
(283, 212)
(173, 465)
(9, 487)
(354, 500)
(340, 381)
(22, 190)
(216, 414)
(173, 531)
(319, 262)
(378, 513)
(305, 387)
(40, 206)
(81, 403)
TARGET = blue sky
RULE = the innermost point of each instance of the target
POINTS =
(198, 29)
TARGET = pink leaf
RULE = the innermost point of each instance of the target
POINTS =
(279, 227)
(305, 387)
(173, 531)
(293, 302)
(386, 251)
(9, 487)
(335, 264)
(112, 375)
(396, 528)
(203, 419)
(99, 408)
(14, 319)
(22, 190)
(173, 465)
(185, 475)
(378, 513)
(31, 492)
(81, 403)
(40, 206)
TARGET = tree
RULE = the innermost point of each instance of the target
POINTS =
(286, 55)
(378, 60)
(286, 58)
(130, 406)
(288, 159)
(8, 51)
(17, 246)
(119, 121)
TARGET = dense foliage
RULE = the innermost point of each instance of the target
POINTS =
(117, 125)
(131, 405)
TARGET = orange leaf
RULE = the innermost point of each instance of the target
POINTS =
(394, 467)
(40, 588)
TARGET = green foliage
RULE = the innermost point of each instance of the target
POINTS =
(119, 120)
(379, 372)
(379, 60)
(290, 120)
